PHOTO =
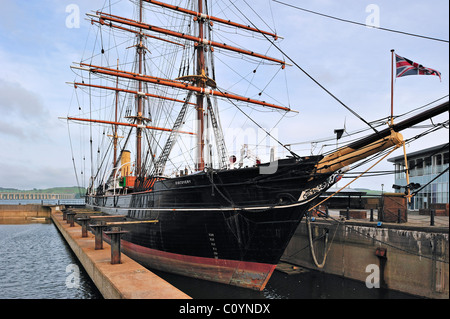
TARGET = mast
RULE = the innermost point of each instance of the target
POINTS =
(202, 84)
(115, 119)
(199, 84)
(392, 87)
(139, 100)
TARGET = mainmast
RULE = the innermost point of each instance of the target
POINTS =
(140, 52)
(200, 165)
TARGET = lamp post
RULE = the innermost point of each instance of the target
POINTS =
(382, 204)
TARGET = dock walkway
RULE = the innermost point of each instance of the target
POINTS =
(127, 280)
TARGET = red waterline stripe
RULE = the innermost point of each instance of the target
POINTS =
(242, 265)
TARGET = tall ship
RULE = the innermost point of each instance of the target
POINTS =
(151, 106)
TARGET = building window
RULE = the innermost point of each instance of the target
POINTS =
(446, 158)
(433, 193)
(411, 167)
(437, 163)
(437, 159)
(400, 171)
(419, 167)
(427, 163)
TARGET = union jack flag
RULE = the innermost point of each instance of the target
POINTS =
(408, 67)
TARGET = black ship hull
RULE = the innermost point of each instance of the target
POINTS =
(228, 226)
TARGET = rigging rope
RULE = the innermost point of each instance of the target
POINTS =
(376, 240)
(265, 131)
(394, 148)
(359, 23)
(307, 74)
(442, 173)
(73, 160)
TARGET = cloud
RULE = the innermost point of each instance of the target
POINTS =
(17, 100)
(23, 174)
(6, 129)
(22, 112)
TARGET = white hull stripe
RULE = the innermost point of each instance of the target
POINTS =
(209, 209)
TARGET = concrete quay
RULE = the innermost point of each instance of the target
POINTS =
(411, 257)
(127, 280)
(25, 211)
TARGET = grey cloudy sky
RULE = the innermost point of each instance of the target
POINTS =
(353, 62)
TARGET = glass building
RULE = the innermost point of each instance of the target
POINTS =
(424, 166)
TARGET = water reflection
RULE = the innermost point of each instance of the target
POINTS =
(310, 284)
(34, 257)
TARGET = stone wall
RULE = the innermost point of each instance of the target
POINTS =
(24, 211)
(415, 261)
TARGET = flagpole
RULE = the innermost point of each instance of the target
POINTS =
(392, 88)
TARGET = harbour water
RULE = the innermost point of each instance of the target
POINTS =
(309, 284)
(36, 263)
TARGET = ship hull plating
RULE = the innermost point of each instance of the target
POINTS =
(219, 227)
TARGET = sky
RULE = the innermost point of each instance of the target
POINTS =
(38, 43)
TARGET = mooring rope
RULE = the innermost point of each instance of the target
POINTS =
(308, 223)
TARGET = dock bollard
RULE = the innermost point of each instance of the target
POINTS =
(380, 214)
(98, 231)
(115, 235)
(432, 217)
(381, 253)
(70, 218)
(84, 221)
(64, 212)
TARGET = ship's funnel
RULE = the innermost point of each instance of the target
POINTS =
(125, 163)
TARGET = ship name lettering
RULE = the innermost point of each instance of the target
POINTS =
(187, 181)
